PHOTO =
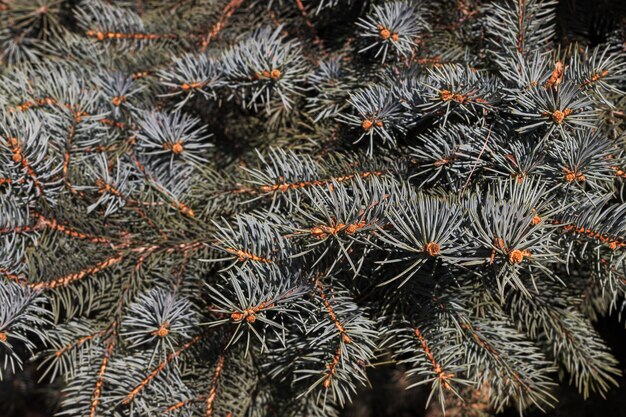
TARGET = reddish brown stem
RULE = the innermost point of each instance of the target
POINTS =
(228, 11)
(214, 383)
(156, 371)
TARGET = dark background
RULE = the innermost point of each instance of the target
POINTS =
(387, 398)
(585, 21)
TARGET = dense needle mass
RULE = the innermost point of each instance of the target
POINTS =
(236, 207)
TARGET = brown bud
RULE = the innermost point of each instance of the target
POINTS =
(318, 232)
(433, 249)
(177, 148)
(446, 95)
(163, 330)
(117, 100)
(367, 124)
(558, 116)
(352, 228)
(516, 256)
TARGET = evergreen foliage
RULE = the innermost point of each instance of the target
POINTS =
(236, 207)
